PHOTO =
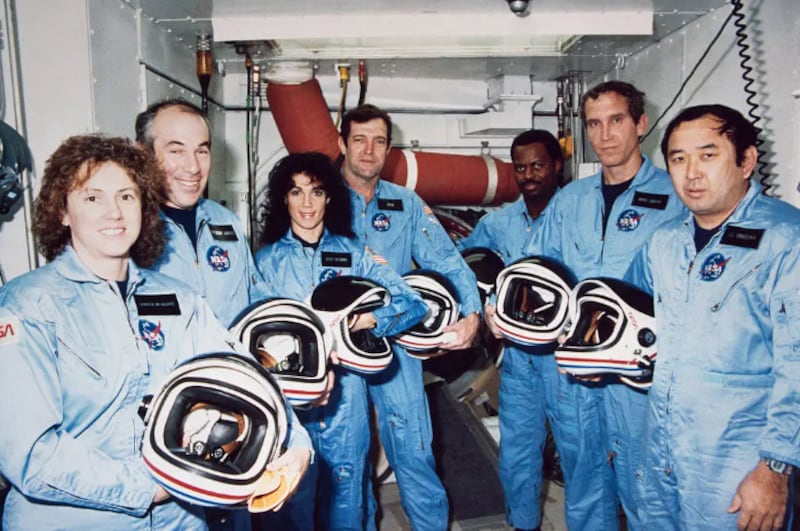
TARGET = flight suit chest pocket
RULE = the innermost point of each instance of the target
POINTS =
(387, 227)
(785, 312)
(81, 364)
(740, 289)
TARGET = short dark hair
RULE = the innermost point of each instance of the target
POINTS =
(75, 161)
(632, 95)
(144, 120)
(363, 114)
(319, 168)
(733, 125)
(539, 136)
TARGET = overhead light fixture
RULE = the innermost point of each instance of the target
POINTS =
(518, 7)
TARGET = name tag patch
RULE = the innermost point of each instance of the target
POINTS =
(223, 233)
(390, 204)
(336, 259)
(157, 304)
(657, 201)
(741, 237)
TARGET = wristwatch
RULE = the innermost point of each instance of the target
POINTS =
(778, 466)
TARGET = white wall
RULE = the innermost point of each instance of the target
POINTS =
(82, 68)
(773, 34)
(82, 64)
(57, 92)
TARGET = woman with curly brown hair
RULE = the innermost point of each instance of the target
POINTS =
(84, 338)
(71, 166)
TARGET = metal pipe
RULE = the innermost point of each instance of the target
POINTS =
(19, 110)
(390, 110)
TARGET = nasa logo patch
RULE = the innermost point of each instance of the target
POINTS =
(713, 267)
(217, 258)
(151, 334)
(10, 330)
(328, 274)
(381, 222)
(629, 220)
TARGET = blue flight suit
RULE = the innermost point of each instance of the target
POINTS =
(727, 381)
(528, 380)
(400, 226)
(601, 423)
(221, 267)
(505, 231)
(77, 360)
(340, 430)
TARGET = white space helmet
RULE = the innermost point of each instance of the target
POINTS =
(341, 297)
(486, 264)
(213, 427)
(612, 332)
(423, 339)
(291, 342)
(533, 300)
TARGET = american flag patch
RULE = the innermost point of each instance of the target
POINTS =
(377, 257)
(427, 209)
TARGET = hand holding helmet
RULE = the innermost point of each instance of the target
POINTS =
(612, 332)
(345, 299)
(215, 425)
(291, 342)
(533, 301)
(279, 481)
(428, 337)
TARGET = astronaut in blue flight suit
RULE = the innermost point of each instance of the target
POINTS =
(85, 338)
(721, 436)
(396, 223)
(528, 378)
(206, 246)
(309, 239)
(595, 226)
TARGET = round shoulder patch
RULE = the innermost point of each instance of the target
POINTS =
(381, 222)
(629, 220)
(152, 334)
(218, 258)
(713, 267)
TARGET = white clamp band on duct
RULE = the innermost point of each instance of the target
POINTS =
(491, 179)
(289, 72)
(412, 171)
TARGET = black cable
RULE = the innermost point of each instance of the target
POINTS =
(362, 92)
(741, 38)
(685, 81)
(247, 119)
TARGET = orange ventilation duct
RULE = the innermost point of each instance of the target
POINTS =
(305, 124)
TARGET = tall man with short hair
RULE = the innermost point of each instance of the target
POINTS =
(528, 378)
(721, 436)
(396, 223)
(206, 245)
(595, 226)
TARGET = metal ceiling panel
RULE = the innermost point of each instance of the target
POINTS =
(502, 44)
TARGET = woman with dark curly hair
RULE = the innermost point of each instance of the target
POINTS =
(337, 217)
(84, 338)
(309, 240)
